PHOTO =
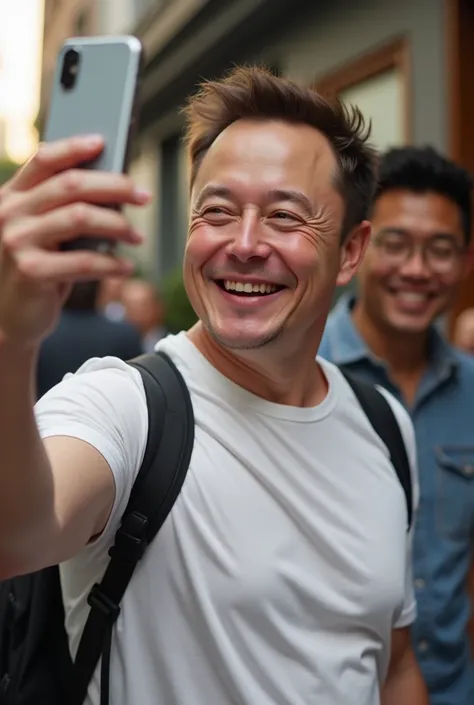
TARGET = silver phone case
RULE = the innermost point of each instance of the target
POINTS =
(104, 98)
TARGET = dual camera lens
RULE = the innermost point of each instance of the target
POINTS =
(70, 69)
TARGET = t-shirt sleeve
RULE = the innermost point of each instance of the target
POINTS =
(407, 614)
(103, 404)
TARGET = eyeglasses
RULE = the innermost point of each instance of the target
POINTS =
(441, 253)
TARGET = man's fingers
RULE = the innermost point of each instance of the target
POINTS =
(80, 265)
(54, 157)
(75, 185)
(65, 224)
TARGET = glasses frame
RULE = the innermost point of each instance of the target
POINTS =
(412, 246)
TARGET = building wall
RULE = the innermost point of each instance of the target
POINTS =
(120, 16)
(335, 32)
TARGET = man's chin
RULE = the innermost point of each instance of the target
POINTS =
(242, 339)
(409, 325)
(408, 321)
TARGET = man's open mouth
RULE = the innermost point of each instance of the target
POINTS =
(248, 288)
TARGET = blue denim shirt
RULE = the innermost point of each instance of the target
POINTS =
(443, 417)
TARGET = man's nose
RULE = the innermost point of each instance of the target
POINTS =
(248, 241)
(415, 265)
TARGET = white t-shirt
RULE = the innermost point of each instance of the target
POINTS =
(285, 562)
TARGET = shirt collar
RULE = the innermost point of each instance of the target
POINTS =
(347, 346)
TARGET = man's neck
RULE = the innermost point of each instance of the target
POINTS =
(293, 380)
(405, 355)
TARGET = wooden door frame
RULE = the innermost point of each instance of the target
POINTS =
(459, 33)
(394, 54)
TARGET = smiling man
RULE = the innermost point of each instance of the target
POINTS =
(421, 220)
(283, 574)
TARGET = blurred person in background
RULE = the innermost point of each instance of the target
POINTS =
(145, 310)
(463, 336)
(109, 299)
(418, 255)
(83, 332)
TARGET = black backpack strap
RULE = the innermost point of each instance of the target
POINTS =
(159, 481)
(381, 416)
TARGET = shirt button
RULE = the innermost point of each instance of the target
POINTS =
(423, 647)
(420, 583)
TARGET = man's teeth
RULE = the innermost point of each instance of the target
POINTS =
(412, 297)
(248, 288)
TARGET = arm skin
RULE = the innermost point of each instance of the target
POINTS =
(404, 684)
(54, 495)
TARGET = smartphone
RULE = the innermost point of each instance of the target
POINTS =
(95, 91)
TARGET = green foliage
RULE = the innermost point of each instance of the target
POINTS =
(179, 312)
(7, 169)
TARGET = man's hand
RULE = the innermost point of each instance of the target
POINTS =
(50, 201)
(404, 684)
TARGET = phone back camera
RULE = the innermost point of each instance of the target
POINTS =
(70, 69)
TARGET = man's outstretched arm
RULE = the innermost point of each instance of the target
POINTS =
(404, 682)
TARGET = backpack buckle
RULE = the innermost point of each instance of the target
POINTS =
(99, 601)
(130, 540)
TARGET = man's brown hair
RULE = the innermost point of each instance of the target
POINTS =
(255, 93)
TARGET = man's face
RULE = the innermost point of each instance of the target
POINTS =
(263, 254)
(142, 308)
(415, 262)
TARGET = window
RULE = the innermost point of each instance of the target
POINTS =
(380, 98)
(378, 83)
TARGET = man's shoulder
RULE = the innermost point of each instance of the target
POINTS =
(109, 377)
(100, 385)
(401, 415)
(104, 405)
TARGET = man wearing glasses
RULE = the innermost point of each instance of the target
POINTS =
(388, 334)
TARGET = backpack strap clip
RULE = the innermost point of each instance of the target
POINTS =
(130, 539)
(103, 604)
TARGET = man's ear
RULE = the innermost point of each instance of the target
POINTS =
(352, 252)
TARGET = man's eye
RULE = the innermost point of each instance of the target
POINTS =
(393, 244)
(442, 252)
(283, 215)
(214, 210)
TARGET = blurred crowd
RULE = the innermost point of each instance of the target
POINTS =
(120, 317)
